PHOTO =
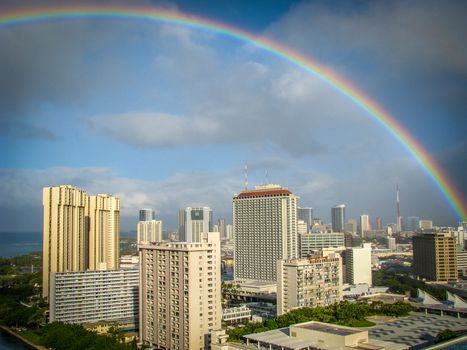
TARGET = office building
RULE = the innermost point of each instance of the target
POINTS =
(306, 215)
(95, 296)
(147, 214)
(379, 223)
(434, 257)
(309, 282)
(357, 263)
(221, 228)
(301, 227)
(80, 232)
(364, 225)
(425, 224)
(412, 223)
(391, 242)
(351, 226)
(149, 231)
(103, 213)
(311, 242)
(229, 231)
(180, 293)
(338, 218)
(265, 231)
(192, 222)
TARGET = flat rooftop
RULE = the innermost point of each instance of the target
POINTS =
(329, 328)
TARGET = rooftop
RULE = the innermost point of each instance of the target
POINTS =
(327, 328)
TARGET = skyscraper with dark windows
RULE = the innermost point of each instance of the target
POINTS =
(306, 215)
(147, 215)
(338, 218)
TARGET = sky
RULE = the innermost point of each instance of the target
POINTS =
(165, 116)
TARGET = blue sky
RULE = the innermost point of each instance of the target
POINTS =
(164, 116)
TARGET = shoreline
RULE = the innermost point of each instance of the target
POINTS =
(23, 339)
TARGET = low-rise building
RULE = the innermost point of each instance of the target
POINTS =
(309, 282)
(94, 296)
(237, 314)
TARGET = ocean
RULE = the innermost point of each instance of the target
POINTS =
(19, 243)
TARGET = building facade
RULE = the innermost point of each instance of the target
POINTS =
(357, 263)
(192, 222)
(265, 231)
(80, 232)
(364, 225)
(338, 218)
(311, 242)
(180, 293)
(310, 282)
(434, 257)
(149, 231)
(103, 214)
(147, 214)
(95, 296)
(306, 215)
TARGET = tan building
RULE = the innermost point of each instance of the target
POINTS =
(180, 293)
(434, 257)
(149, 231)
(309, 282)
(265, 231)
(103, 212)
(80, 232)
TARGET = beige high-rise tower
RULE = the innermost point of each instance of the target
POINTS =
(80, 232)
(180, 293)
(103, 212)
(265, 231)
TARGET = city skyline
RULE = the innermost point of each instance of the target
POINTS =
(115, 106)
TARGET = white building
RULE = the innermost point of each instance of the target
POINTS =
(265, 231)
(310, 242)
(364, 224)
(192, 222)
(149, 231)
(358, 265)
(309, 282)
(94, 296)
(232, 315)
(391, 243)
(180, 293)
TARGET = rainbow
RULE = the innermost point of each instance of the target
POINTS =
(23, 16)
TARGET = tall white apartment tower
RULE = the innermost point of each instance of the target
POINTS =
(265, 231)
(358, 265)
(180, 293)
(192, 222)
(149, 231)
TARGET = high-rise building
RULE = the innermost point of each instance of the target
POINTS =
(192, 222)
(425, 224)
(391, 242)
(80, 232)
(229, 231)
(351, 226)
(95, 296)
(65, 236)
(364, 225)
(309, 282)
(357, 262)
(306, 214)
(412, 223)
(312, 242)
(149, 231)
(103, 212)
(301, 227)
(338, 218)
(180, 293)
(147, 214)
(379, 223)
(265, 231)
(221, 228)
(434, 257)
